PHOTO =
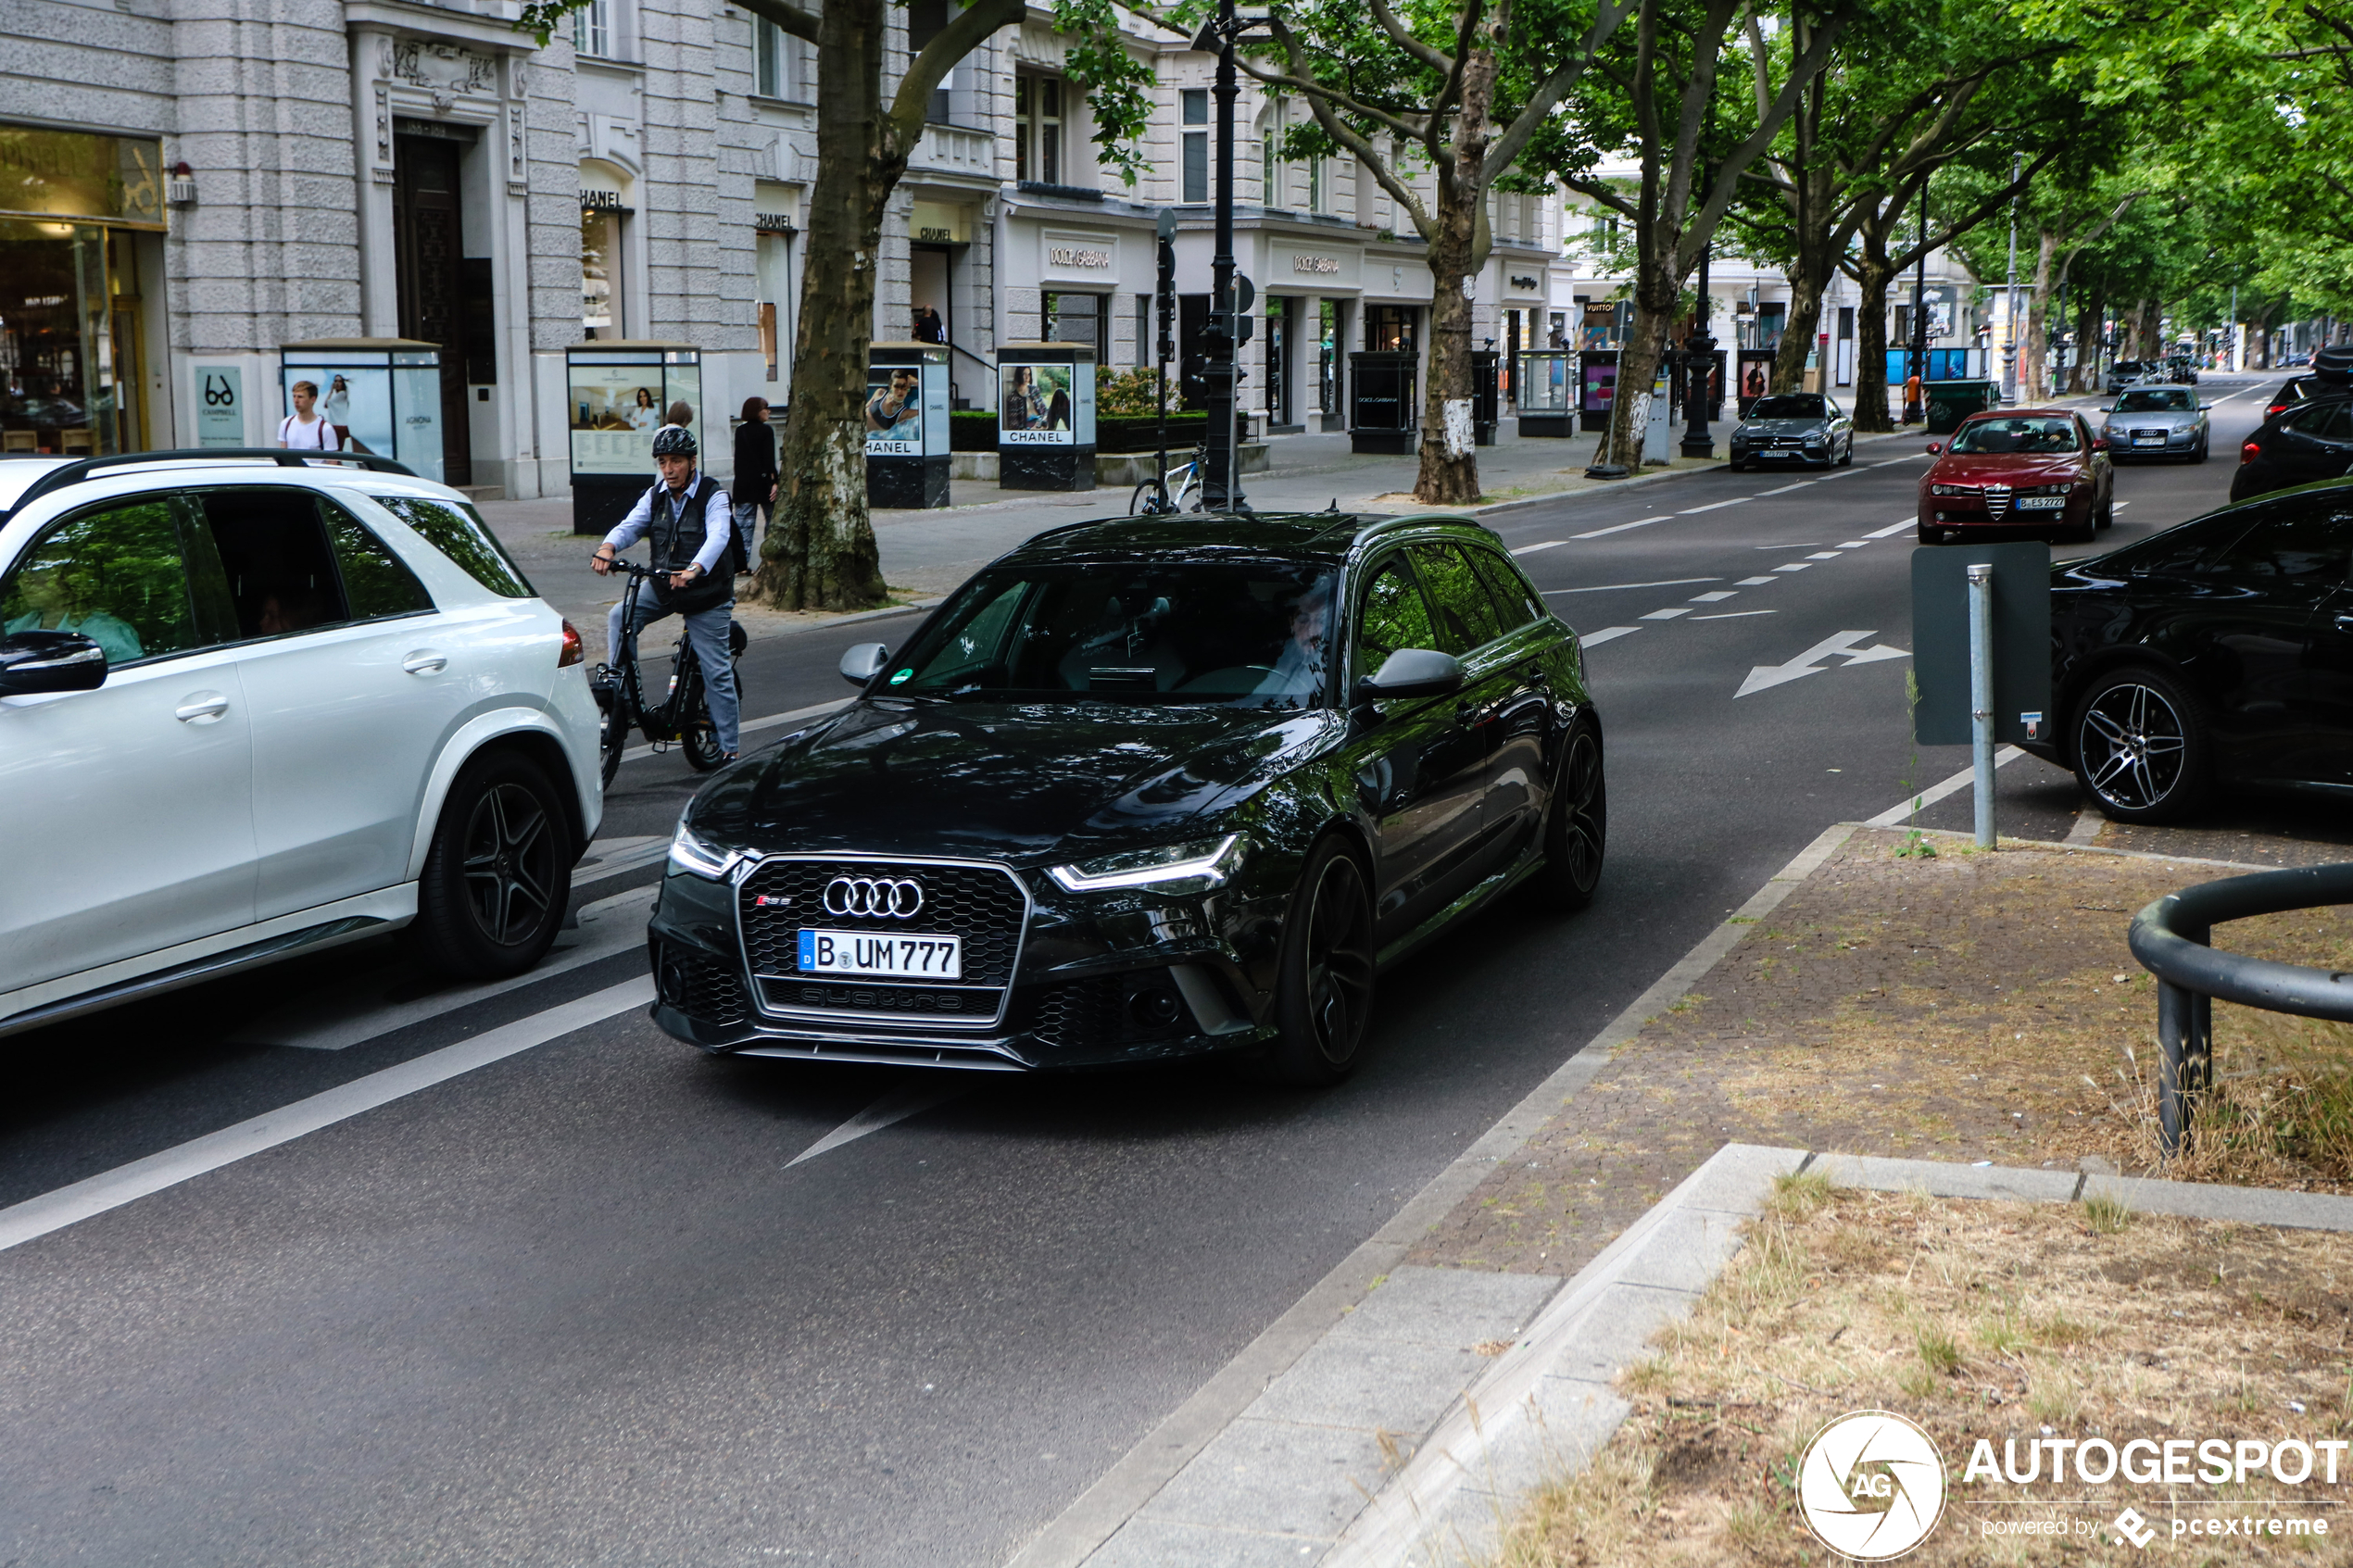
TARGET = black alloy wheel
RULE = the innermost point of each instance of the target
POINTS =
(2204, 441)
(499, 874)
(1324, 994)
(1575, 825)
(1846, 460)
(2141, 747)
(2082, 533)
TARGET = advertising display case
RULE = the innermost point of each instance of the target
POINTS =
(1383, 412)
(907, 437)
(1544, 392)
(1597, 387)
(1756, 378)
(381, 394)
(620, 391)
(1046, 416)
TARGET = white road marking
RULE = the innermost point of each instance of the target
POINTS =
(1894, 816)
(1763, 677)
(2088, 822)
(1756, 582)
(1547, 544)
(897, 1106)
(2113, 505)
(773, 719)
(1713, 595)
(1614, 587)
(1894, 529)
(1621, 527)
(1712, 506)
(1606, 634)
(1669, 614)
(1786, 488)
(1823, 555)
(1809, 545)
(37, 1217)
(1735, 614)
(610, 858)
(341, 1019)
(1891, 462)
(1795, 565)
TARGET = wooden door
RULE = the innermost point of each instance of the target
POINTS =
(428, 244)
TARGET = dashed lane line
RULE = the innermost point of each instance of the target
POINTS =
(37, 1217)
(1823, 555)
(1669, 613)
(1786, 488)
(1894, 529)
(1606, 634)
(1546, 545)
(1614, 587)
(1794, 566)
(1734, 614)
(1713, 595)
(1712, 506)
(1622, 527)
(1755, 581)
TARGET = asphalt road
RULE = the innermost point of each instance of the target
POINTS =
(581, 1305)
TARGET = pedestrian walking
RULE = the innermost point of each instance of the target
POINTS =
(1912, 398)
(755, 478)
(687, 518)
(306, 430)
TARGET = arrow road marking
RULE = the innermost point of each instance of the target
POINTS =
(1764, 676)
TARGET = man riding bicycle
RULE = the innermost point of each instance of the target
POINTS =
(691, 524)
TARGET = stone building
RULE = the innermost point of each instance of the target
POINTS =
(188, 187)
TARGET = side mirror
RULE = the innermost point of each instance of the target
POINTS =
(1934, 447)
(861, 662)
(33, 662)
(1411, 672)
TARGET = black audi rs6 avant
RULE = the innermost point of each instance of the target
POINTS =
(1141, 789)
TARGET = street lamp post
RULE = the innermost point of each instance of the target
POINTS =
(2009, 305)
(1228, 328)
(1919, 345)
(1700, 359)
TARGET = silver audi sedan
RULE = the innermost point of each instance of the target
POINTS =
(2157, 419)
(1793, 428)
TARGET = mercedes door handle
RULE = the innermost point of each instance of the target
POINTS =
(425, 663)
(200, 706)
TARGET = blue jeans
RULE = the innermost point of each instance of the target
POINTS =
(707, 633)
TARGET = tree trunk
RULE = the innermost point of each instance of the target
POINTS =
(1871, 347)
(2087, 345)
(1656, 294)
(2145, 330)
(1798, 331)
(822, 555)
(1449, 475)
(2034, 366)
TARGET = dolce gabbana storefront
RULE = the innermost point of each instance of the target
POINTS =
(80, 253)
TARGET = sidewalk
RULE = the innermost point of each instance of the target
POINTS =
(927, 553)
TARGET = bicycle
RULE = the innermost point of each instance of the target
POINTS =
(683, 717)
(1183, 480)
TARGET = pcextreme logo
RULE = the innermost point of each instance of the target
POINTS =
(1871, 1485)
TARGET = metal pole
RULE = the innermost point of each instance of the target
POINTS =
(1697, 441)
(2236, 335)
(1218, 490)
(1165, 296)
(1919, 345)
(1981, 695)
(2009, 309)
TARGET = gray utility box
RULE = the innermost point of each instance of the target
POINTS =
(2022, 641)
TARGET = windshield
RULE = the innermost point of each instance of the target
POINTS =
(1793, 405)
(1246, 631)
(2020, 434)
(2156, 400)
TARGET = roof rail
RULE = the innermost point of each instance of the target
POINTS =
(75, 473)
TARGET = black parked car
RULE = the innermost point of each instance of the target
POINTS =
(2293, 391)
(2313, 441)
(1143, 788)
(2214, 653)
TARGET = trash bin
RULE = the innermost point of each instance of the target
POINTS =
(1950, 402)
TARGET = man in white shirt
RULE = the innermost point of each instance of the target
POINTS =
(689, 521)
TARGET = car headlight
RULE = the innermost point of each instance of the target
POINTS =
(1949, 490)
(1206, 863)
(697, 856)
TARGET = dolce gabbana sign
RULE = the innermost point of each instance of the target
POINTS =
(1316, 266)
(1333, 269)
(1092, 256)
(1078, 256)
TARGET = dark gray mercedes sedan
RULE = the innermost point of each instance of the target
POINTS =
(1793, 428)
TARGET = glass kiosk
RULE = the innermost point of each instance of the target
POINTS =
(384, 392)
(907, 432)
(1383, 415)
(1546, 379)
(1046, 416)
(620, 389)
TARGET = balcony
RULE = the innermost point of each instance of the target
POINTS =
(954, 149)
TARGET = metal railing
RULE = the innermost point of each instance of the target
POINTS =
(2173, 940)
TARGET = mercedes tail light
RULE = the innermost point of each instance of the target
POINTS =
(573, 652)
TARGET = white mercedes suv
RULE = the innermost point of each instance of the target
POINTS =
(253, 704)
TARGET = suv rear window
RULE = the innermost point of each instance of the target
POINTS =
(459, 533)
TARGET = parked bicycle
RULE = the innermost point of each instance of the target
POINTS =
(1184, 489)
(683, 716)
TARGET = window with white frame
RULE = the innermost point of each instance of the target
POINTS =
(1195, 103)
(592, 29)
(776, 61)
(1270, 165)
(1315, 192)
(1037, 128)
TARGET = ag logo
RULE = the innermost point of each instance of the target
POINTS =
(1871, 1485)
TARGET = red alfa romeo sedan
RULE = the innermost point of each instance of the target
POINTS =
(2037, 470)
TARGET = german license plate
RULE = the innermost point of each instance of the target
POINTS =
(2040, 502)
(882, 955)
(2148, 440)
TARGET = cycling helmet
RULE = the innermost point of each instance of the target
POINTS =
(673, 441)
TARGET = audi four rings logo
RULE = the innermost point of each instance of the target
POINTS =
(896, 897)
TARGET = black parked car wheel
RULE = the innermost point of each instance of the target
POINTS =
(2199, 456)
(1577, 827)
(2141, 747)
(499, 872)
(1324, 993)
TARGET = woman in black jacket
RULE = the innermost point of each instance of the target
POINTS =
(755, 477)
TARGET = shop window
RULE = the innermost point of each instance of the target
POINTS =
(1037, 128)
(1390, 327)
(601, 270)
(1196, 106)
(1077, 318)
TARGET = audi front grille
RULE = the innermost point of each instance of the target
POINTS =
(985, 905)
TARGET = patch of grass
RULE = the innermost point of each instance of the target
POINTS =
(1796, 1195)
(2106, 1213)
(1939, 1351)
